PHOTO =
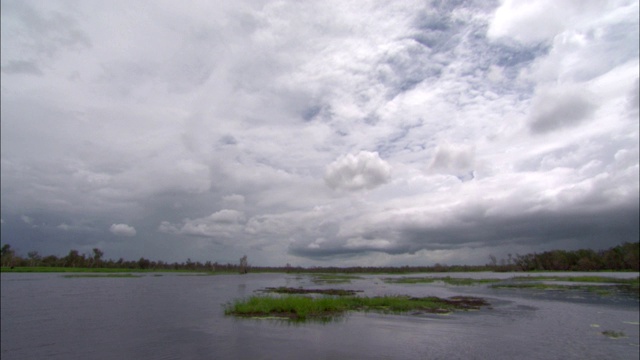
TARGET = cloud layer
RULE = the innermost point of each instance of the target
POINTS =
(365, 170)
(334, 133)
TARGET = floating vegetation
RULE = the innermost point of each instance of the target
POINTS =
(447, 280)
(333, 278)
(614, 334)
(600, 290)
(605, 285)
(102, 276)
(584, 279)
(302, 308)
(289, 290)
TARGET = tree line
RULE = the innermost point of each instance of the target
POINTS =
(624, 257)
(74, 259)
(621, 257)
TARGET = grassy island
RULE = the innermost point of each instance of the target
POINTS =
(302, 308)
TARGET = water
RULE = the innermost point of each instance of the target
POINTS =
(48, 316)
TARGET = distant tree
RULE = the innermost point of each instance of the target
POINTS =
(50, 260)
(73, 259)
(244, 265)
(34, 258)
(493, 261)
(7, 255)
(631, 256)
(97, 257)
(143, 263)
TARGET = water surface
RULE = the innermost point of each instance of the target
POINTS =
(48, 316)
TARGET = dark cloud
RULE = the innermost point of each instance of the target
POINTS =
(21, 67)
(588, 229)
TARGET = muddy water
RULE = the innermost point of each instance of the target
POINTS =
(48, 316)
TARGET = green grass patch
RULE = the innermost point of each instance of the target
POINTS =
(55, 269)
(333, 278)
(302, 308)
(447, 280)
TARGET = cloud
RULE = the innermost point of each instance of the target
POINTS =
(221, 224)
(560, 107)
(233, 201)
(457, 160)
(66, 227)
(538, 21)
(21, 67)
(166, 122)
(365, 170)
(634, 99)
(122, 230)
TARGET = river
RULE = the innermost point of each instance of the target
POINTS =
(173, 316)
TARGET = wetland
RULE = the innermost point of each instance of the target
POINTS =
(363, 316)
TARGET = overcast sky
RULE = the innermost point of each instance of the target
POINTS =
(319, 133)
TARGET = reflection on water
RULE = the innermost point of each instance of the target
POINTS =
(181, 317)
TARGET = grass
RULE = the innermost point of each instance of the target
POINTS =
(333, 278)
(102, 276)
(447, 280)
(614, 334)
(289, 290)
(631, 286)
(55, 269)
(302, 308)
(600, 290)
(587, 279)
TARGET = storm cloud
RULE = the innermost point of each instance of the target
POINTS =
(333, 133)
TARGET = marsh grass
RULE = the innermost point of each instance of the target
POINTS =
(447, 280)
(333, 278)
(296, 307)
(289, 290)
(606, 285)
(584, 279)
(55, 269)
(614, 334)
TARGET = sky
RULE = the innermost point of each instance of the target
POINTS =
(319, 133)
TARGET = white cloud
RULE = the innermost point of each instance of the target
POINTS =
(65, 227)
(542, 20)
(365, 170)
(221, 224)
(122, 230)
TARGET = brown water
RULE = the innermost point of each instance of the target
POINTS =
(47, 316)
